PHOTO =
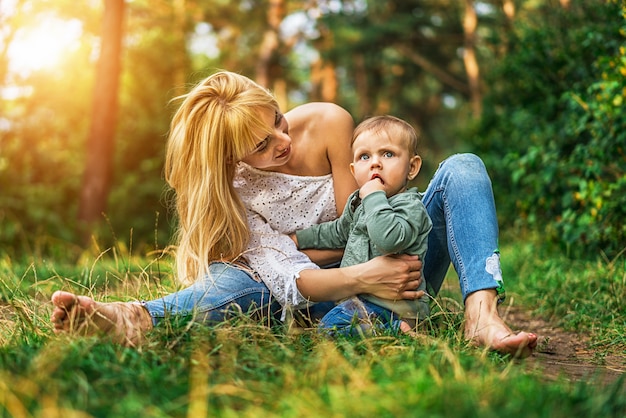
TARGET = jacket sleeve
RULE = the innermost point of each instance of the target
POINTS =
(398, 225)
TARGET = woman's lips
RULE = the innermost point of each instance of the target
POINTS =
(285, 153)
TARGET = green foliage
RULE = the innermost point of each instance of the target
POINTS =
(40, 161)
(554, 129)
(42, 144)
(399, 57)
(43, 130)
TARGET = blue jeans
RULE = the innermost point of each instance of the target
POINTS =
(227, 292)
(460, 202)
(357, 316)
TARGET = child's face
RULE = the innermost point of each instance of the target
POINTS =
(378, 157)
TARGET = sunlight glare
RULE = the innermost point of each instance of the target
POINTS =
(44, 46)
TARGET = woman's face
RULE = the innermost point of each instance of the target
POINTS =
(275, 149)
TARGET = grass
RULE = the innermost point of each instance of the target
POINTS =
(583, 296)
(242, 369)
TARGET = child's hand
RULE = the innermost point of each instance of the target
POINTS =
(371, 186)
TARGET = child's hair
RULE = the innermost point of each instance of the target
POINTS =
(217, 124)
(391, 126)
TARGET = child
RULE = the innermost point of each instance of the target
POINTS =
(382, 217)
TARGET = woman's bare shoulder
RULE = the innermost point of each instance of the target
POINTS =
(321, 134)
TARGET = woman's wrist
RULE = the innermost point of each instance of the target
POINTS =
(352, 277)
(327, 284)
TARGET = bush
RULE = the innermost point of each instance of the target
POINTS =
(554, 129)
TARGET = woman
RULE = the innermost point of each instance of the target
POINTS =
(246, 176)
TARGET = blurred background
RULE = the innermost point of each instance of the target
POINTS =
(536, 88)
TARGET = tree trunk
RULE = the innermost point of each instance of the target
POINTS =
(469, 57)
(100, 143)
(324, 84)
(180, 52)
(508, 6)
(268, 71)
(362, 86)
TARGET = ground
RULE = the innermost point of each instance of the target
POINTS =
(565, 355)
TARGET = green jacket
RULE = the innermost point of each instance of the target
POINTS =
(377, 226)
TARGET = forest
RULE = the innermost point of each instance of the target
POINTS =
(535, 87)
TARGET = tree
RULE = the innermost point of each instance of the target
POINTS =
(402, 57)
(268, 70)
(553, 128)
(470, 21)
(100, 142)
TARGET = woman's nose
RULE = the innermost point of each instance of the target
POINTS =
(284, 140)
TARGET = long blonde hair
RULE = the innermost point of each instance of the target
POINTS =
(217, 124)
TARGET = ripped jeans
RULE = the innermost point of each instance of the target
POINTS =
(460, 202)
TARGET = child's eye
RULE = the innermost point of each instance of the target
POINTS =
(388, 154)
(364, 157)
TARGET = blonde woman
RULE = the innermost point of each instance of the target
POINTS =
(246, 176)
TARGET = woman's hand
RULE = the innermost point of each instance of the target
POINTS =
(391, 277)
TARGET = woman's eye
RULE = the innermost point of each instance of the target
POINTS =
(261, 145)
(278, 118)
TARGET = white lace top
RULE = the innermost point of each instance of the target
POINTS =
(279, 204)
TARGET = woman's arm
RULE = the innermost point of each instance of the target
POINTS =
(324, 257)
(388, 277)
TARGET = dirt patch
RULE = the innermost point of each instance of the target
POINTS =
(565, 355)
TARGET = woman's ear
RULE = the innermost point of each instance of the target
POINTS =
(415, 163)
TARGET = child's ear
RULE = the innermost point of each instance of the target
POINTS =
(415, 163)
(352, 169)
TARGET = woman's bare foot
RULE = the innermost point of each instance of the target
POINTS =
(124, 323)
(484, 327)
